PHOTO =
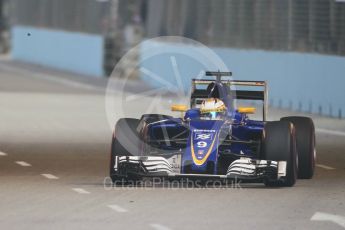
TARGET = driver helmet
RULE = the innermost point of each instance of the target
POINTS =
(213, 108)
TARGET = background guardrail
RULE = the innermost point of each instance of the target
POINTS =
(309, 83)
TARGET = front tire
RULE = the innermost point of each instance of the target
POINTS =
(125, 142)
(279, 144)
(305, 137)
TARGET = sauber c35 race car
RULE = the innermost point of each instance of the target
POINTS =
(214, 139)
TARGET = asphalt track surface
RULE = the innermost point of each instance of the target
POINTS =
(55, 141)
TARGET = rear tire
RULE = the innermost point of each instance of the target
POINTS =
(305, 137)
(279, 144)
(125, 142)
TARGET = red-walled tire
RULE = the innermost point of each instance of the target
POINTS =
(305, 137)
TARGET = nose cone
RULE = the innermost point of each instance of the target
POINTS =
(201, 151)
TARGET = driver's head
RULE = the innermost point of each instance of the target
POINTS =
(213, 108)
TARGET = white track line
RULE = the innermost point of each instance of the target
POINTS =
(3, 154)
(330, 132)
(80, 191)
(23, 163)
(50, 176)
(67, 82)
(325, 167)
(159, 227)
(50, 77)
(321, 216)
(117, 208)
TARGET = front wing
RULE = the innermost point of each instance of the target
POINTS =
(246, 169)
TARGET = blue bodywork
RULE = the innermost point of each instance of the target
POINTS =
(206, 144)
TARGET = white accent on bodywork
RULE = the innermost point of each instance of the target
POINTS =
(281, 168)
(116, 163)
(155, 163)
(248, 167)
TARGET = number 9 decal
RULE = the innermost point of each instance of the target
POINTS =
(201, 144)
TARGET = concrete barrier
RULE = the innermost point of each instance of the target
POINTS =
(76, 52)
(305, 82)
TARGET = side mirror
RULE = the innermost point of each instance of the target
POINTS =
(248, 110)
(179, 108)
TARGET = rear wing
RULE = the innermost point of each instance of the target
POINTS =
(260, 95)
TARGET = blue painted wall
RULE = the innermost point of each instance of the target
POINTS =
(76, 52)
(311, 81)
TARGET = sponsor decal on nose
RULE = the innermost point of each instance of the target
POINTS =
(203, 136)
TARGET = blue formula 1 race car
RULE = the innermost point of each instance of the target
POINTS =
(215, 139)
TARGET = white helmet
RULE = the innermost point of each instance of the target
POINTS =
(213, 107)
